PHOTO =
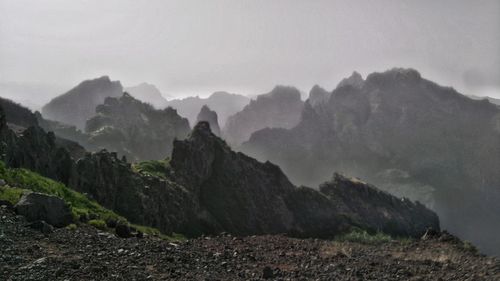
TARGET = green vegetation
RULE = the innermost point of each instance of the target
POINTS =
(99, 224)
(80, 204)
(363, 237)
(156, 168)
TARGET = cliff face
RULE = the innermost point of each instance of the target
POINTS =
(280, 108)
(135, 129)
(405, 134)
(78, 104)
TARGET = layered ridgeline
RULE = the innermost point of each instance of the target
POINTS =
(207, 188)
(225, 104)
(148, 93)
(280, 108)
(135, 129)
(407, 135)
(79, 103)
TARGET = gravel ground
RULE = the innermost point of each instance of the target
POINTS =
(89, 254)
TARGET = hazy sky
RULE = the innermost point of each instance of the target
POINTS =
(198, 47)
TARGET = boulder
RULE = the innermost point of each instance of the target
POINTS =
(122, 230)
(37, 206)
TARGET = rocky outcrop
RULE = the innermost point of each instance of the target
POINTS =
(37, 206)
(210, 116)
(79, 103)
(241, 195)
(280, 108)
(440, 141)
(225, 104)
(135, 129)
(148, 93)
(17, 114)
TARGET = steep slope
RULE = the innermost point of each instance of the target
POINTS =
(280, 108)
(78, 104)
(135, 129)
(225, 104)
(148, 93)
(210, 116)
(407, 135)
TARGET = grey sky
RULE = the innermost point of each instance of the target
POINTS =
(197, 47)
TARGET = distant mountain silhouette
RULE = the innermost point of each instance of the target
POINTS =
(407, 135)
(225, 104)
(78, 104)
(148, 93)
(280, 108)
(210, 116)
(490, 99)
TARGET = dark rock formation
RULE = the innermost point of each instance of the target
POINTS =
(79, 103)
(209, 116)
(400, 132)
(17, 114)
(280, 108)
(148, 93)
(135, 129)
(225, 104)
(37, 206)
(241, 195)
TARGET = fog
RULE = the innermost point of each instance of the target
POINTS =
(197, 47)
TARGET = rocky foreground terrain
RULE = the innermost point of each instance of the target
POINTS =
(86, 253)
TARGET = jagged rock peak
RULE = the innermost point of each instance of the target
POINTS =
(210, 116)
(317, 95)
(355, 80)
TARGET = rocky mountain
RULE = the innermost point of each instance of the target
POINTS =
(78, 104)
(407, 135)
(135, 129)
(280, 108)
(206, 188)
(210, 116)
(148, 93)
(225, 104)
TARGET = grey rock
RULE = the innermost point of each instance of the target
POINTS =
(37, 206)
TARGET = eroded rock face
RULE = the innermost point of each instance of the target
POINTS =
(135, 129)
(280, 108)
(142, 199)
(37, 206)
(148, 93)
(79, 103)
(210, 116)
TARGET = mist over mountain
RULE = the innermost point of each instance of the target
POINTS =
(225, 104)
(409, 136)
(148, 93)
(135, 129)
(78, 104)
(280, 108)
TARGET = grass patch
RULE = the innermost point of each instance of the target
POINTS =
(157, 168)
(363, 237)
(11, 194)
